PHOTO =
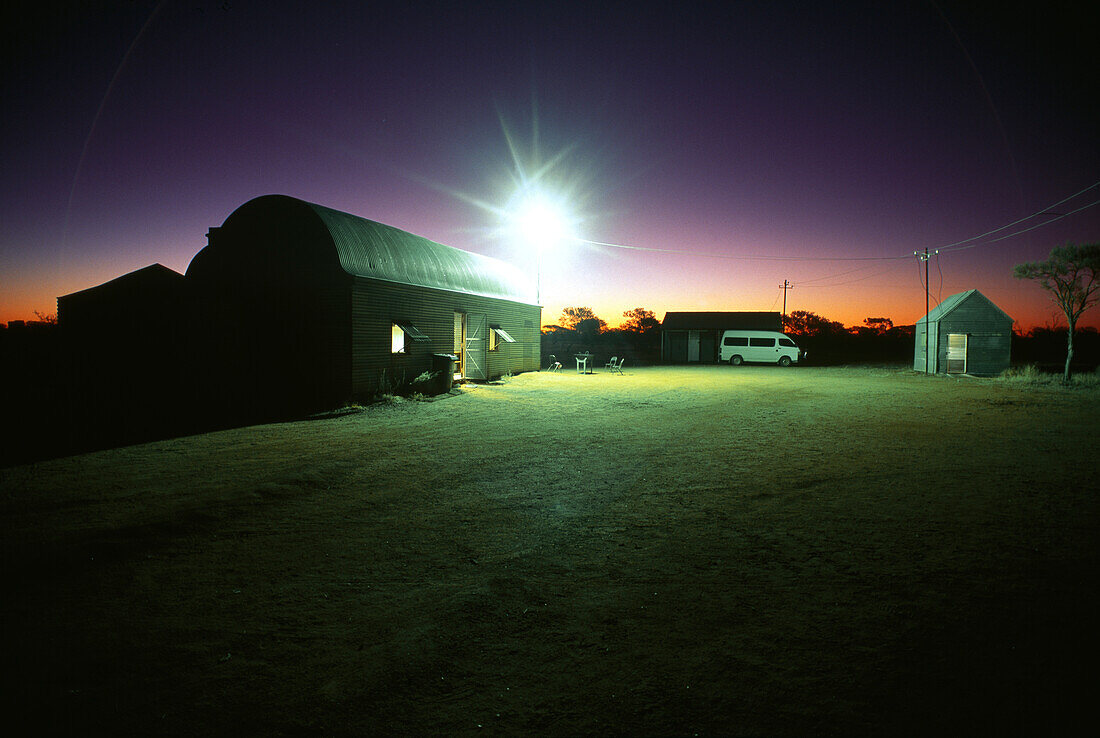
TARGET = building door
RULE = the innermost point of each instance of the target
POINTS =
(473, 354)
(693, 346)
(675, 344)
(707, 349)
(956, 353)
(459, 346)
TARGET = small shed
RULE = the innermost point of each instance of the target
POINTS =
(965, 334)
(134, 301)
(693, 337)
(316, 306)
(126, 341)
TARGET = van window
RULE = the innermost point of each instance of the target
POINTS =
(787, 342)
(762, 342)
(735, 341)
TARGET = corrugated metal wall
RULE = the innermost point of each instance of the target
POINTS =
(376, 305)
(989, 345)
(274, 347)
(988, 331)
(919, 347)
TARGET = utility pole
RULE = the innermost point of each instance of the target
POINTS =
(785, 286)
(924, 257)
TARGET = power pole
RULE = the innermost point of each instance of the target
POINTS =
(785, 286)
(924, 257)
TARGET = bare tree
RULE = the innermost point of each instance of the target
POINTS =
(1071, 275)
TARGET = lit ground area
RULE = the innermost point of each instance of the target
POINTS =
(678, 551)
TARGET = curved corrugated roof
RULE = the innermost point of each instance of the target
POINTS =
(305, 234)
(378, 251)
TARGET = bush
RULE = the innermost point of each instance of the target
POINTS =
(1032, 376)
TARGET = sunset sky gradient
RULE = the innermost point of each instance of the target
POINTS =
(730, 146)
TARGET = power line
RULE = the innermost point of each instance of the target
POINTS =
(1021, 220)
(758, 257)
(1025, 230)
(956, 246)
(872, 275)
(939, 289)
(808, 282)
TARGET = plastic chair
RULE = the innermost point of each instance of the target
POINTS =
(617, 367)
(555, 365)
(611, 364)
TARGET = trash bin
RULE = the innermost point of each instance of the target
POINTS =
(443, 366)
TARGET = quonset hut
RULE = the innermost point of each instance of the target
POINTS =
(964, 334)
(309, 307)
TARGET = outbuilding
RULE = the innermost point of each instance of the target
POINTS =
(692, 337)
(134, 301)
(129, 333)
(965, 334)
(315, 306)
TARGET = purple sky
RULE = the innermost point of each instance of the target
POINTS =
(822, 136)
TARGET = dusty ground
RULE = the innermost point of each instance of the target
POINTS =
(682, 551)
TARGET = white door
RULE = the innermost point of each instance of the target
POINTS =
(474, 354)
(956, 353)
(693, 345)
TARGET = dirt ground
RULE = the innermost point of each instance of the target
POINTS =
(676, 551)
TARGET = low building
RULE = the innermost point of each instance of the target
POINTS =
(690, 337)
(317, 307)
(965, 334)
(134, 302)
(127, 336)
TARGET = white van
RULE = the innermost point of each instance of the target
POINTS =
(768, 346)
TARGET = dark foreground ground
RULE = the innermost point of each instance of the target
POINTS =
(677, 551)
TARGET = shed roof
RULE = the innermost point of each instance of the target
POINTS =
(954, 301)
(323, 238)
(152, 278)
(765, 321)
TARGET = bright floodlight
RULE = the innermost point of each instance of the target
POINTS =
(540, 223)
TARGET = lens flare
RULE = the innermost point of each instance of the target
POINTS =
(540, 222)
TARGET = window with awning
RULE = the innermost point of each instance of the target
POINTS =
(497, 335)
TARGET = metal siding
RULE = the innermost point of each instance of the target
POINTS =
(723, 321)
(674, 346)
(693, 347)
(708, 347)
(475, 347)
(990, 330)
(266, 347)
(289, 315)
(988, 327)
(918, 347)
(376, 303)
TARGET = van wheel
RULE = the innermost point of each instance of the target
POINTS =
(784, 361)
(735, 360)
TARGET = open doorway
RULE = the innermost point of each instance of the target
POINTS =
(957, 345)
(459, 343)
(470, 345)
